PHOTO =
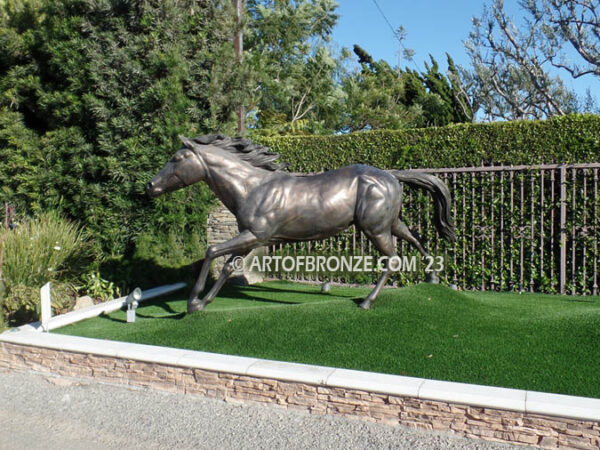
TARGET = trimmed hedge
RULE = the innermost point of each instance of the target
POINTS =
(568, 139)
(481, 210)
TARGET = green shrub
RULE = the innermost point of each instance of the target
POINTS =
(43, 249)
(568, 139)
(98, 288)
(170, 249)
(92, 98)
(63, 297)
(3, 323)
(22, 303)
(38, 250)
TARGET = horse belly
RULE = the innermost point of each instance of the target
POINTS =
(307, 223)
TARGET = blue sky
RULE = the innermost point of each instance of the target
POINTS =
(432, 26)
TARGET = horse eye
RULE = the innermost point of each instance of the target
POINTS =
(177, 157)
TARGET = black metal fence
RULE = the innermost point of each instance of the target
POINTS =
(529, 228)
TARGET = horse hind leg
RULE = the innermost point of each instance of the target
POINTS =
(401, 230)
(385, 244)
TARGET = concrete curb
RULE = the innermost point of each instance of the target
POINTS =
(580, 408)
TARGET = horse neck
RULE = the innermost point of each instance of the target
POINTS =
(232, 179)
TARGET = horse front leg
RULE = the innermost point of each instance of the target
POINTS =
(241, 244)
(228, 268)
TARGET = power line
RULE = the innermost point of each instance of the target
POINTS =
(394, 32)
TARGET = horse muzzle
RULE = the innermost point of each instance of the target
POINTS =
(152, 190)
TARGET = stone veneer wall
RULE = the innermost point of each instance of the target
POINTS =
(483, 423)
(220, 227)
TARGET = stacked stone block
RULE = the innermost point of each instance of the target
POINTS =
(483, 423)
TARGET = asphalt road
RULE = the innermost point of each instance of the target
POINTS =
(43, 412)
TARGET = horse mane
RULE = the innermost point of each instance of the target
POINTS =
(244, 149)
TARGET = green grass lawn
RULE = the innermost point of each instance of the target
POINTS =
(526, 341)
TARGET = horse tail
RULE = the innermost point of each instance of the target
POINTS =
(441, 197)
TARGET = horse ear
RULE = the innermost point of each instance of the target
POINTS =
(186, 142)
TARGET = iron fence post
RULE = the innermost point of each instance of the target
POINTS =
(563, 231)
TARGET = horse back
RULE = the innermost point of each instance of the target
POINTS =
(287, 207)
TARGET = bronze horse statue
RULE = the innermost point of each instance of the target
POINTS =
(273, 206)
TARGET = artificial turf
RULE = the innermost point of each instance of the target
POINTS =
(526, 341)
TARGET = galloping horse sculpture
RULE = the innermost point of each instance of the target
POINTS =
(273, 206)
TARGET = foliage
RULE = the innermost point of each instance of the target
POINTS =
(3, 322)
(381, 97)
(512, 62)
(43, 249)
(573, 138)
(572, 25)
(378, 96)
(458, 106)
(22, 303)
(63, 297)
(92, 97)
(38, 250)
(294, 69)
(98, 288)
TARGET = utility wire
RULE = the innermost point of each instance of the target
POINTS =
(394, 32)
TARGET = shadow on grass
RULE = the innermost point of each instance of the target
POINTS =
(238, 293)
(254, 295)
(578, 300)
(358, 300)
(146, 273)
(176, 316)
(284, 288)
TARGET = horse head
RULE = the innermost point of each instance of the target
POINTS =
(186, 167)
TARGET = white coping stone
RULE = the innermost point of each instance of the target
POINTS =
(376, 382)
(151, 353)
(100, 347)
(473, 394)
(581, 408)
(563, 405)
(217, 362)
(284, 371)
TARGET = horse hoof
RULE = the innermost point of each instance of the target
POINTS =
(195, 306)
(432, 278)
(366, 304)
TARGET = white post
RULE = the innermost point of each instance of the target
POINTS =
(46, 305)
